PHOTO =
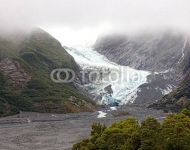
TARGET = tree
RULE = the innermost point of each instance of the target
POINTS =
(150, 134)
(117, 134)
(86, 144)
(97, 130)
(176, 132)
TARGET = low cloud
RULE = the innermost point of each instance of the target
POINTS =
(93, 17)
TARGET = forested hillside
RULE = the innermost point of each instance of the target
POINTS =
(26, 61)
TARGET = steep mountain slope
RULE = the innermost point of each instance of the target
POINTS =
(26, 61)
(156, 51)
(179, 98)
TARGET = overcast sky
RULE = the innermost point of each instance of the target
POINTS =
(81, 21)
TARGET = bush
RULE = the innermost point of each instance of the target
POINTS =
(173, 134)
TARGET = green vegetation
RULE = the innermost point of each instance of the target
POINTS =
(173, 134)
(120, 113)
(6, 109)
(37, 55)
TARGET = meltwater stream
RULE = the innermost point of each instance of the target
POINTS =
(110, 83)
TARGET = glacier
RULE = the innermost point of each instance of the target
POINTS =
(110, 83)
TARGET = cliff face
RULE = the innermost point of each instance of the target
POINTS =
(26, 61)
(147, 51)
(14, 71)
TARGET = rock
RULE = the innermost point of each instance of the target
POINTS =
(165, 111)
(146, 51)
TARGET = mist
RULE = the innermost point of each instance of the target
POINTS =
(81, 22)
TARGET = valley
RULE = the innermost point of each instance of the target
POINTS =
(42, 114)
(94, 75)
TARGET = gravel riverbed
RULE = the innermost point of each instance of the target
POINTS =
(44, 131)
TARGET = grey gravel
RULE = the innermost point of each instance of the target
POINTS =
(43, 131)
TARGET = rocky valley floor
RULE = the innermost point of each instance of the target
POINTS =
(36, 131)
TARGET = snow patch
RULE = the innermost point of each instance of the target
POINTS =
(54, 116)
(28, 120)
(182, 51)
(113, 108)
(101, 114)
(169, 88)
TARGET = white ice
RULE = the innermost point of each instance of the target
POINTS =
(28, 120)
(182, 51)
(169, 88)
(113, 108)
(101, 114)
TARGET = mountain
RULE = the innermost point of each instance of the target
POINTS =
(26, 61)
(153, 51)
(164, 53)
(180, 97)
